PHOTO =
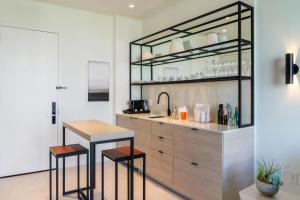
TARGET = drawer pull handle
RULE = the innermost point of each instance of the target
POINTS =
(160, 152)
(161, 137)
(195, 129)
(160, 122)
(195, 164)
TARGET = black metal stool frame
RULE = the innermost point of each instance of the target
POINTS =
(81, 195)
(123, 159)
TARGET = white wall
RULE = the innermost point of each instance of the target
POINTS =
(83, 36)
(277, 104)
(126, 30)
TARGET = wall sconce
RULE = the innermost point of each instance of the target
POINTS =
(291, 68)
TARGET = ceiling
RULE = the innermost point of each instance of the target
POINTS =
(143, 8)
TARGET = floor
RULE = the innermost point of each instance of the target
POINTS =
(36, 186)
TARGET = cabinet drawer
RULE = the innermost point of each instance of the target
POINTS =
(197, 182)
(161, 143)
(163, 129)
(161, 167)
(202, 147)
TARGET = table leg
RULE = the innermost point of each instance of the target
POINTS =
(131, 168)
(92, 169)
(64, 162)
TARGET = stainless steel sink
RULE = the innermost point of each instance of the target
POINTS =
(158, 116)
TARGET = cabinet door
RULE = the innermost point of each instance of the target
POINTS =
(125, 122)
(161, 167)
(142, 131)
(197, 182)
(138, 163)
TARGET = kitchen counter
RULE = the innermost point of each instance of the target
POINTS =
(184, 153)
(212, 127)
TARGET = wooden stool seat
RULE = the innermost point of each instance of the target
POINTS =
(122, 154)
(68, 150)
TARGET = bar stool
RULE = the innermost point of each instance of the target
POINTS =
(63, 152)
(118, 155)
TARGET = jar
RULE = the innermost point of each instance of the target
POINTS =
(183, 113)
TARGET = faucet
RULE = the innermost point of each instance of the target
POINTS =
(169, 111)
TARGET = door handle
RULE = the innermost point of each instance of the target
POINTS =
(53, 113)
(61, 87)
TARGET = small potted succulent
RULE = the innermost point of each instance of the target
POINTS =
(268, 178)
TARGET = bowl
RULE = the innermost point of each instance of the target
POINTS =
(267, 190)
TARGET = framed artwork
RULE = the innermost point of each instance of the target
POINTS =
(98, 81)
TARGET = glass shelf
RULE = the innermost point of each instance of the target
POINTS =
(221, 48)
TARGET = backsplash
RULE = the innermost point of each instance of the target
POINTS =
(204, 93)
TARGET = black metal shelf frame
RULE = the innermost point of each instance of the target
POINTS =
(234, 13)
(203, 80)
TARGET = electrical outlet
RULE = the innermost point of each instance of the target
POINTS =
(294, 178)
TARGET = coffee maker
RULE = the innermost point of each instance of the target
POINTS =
(137, 106)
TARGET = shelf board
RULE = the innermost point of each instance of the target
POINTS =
(228, 78)
(230, 46)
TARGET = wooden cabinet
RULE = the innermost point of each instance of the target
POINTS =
(162, 138)
(142, 131)
(161, 167)
(163, 129)
(198, 160)
(125, 122)
(161, 156)
(197, 182)
(198, 146)
(142, 140)
(199, 164)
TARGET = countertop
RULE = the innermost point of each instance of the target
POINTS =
(94, 130)
(212, 127)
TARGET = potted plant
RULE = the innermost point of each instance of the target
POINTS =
(268, 178)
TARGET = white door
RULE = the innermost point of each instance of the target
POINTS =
(28, 80)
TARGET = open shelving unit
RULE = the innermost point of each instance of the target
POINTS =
(233, 14)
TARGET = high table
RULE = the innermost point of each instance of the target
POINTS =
(97, 132)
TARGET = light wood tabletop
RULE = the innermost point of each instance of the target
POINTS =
(94, 130)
